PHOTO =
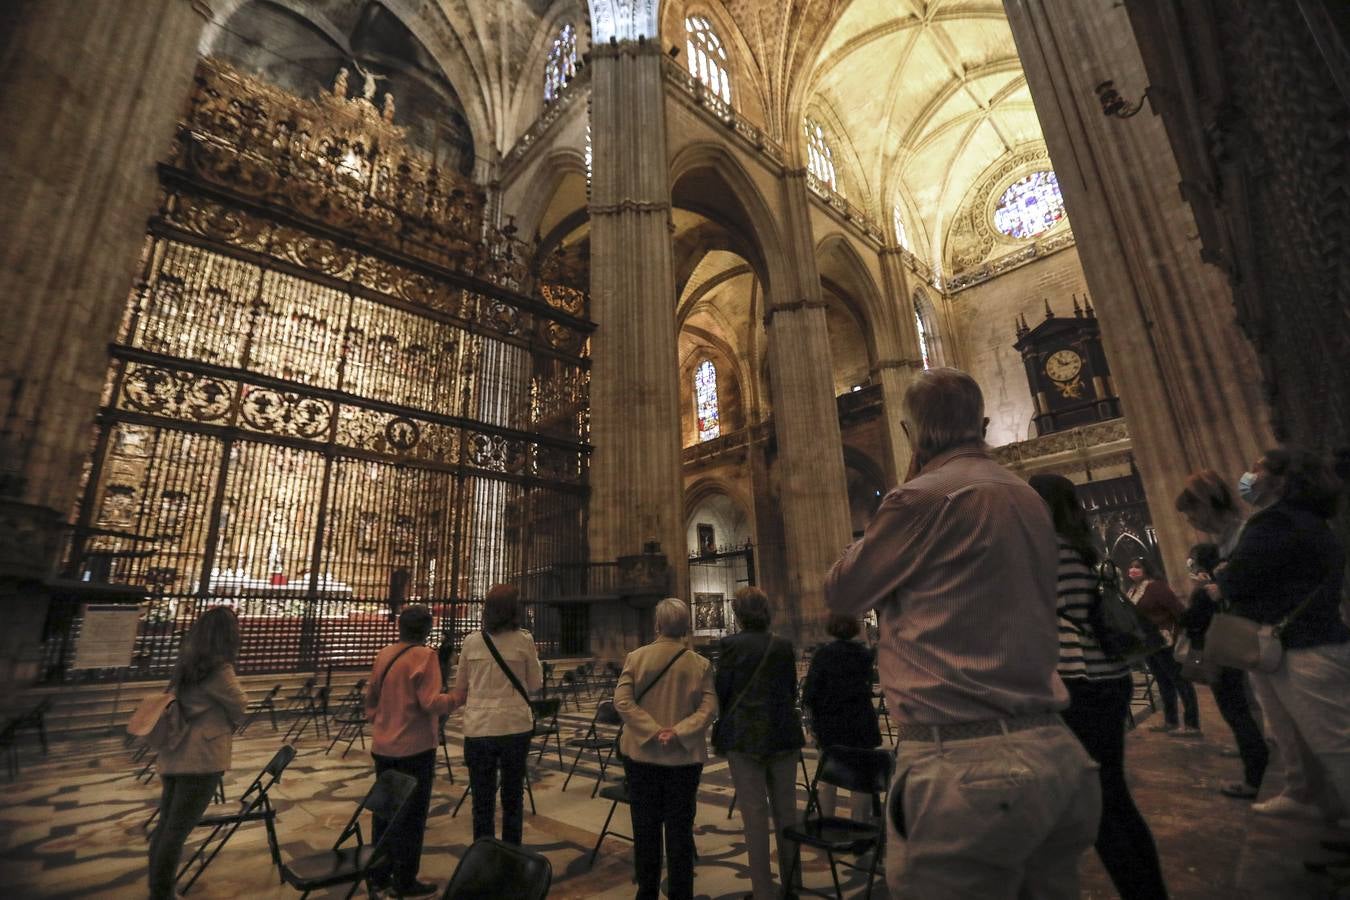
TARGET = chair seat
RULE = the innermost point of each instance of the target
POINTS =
(834, 834)
(616, 792)
(328, 867)
(590, 743)
(225, 818)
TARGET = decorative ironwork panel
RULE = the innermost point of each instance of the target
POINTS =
(315, 432)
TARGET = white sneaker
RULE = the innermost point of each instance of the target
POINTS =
(1287, 807)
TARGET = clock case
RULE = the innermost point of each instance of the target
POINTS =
(1088, 397)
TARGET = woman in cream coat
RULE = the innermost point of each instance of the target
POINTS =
(666, 698)
(213, 703)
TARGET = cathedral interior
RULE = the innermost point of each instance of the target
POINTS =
(317, 308)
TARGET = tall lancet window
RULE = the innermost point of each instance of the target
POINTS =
(561, 66)
(707, 57)
(925, 330)
(819, 156)
(705, 401)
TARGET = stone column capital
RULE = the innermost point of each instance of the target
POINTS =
(628, 205)
(793, 306)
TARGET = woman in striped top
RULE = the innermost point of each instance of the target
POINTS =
(1099, 699)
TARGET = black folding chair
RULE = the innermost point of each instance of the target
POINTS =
(299, 700)
(254, 806)
(347, 862)
(493, 868)
(569, 685)
(350, 720)
(445, 749)
(267, 704)
(616, 794)
(601, 742)
(855, 770)
(315, 713)
(546, 727)
(529, 792)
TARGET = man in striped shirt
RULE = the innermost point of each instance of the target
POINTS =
(992, 795)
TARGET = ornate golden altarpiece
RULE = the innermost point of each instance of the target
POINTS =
(333, 391)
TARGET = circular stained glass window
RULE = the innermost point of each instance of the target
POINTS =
(1030, 206)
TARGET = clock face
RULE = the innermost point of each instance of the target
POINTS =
(1063, 365)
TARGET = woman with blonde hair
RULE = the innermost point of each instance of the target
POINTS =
(213, 703)
(666, 698)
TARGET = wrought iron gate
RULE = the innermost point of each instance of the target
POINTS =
(714, 578)
(333, 392)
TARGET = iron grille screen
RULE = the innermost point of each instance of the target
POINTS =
(316, 428)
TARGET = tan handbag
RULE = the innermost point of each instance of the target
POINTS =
(1239, 643)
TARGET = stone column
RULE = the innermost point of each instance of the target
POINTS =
(89, 94)
(636, 483)
(899, 358)
(1188, 380)
(813, 492)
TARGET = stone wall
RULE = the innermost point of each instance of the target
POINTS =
(983, 319)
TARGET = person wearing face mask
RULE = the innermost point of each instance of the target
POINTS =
(1161, 608)
(1208, 504)
(1288, 566)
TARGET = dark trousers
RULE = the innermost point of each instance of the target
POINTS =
(182, 800)
(1096, 716)
(1230, 693)
(405, 835)
(484, 756)
(663, 800)
(1167, 675)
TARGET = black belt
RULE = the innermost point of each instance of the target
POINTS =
(966, 730)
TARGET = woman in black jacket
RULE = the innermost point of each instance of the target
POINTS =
(838, 695)
(1288, 567)
(759, 732)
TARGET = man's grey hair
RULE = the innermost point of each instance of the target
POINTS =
(943, 409)
(672, 617)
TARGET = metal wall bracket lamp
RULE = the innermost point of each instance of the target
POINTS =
(1115, 105)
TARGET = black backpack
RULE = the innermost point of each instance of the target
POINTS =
(1120, 630)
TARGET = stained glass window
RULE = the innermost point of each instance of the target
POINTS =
(561, 66)
(901, 238)
(707, 57)
(925, 342)
(819, 156)
(1030, 206)
(705, 400)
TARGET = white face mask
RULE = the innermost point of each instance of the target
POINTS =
(1247, 487)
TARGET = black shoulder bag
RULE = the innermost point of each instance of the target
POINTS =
(510, 676)
(379, 683)
(637, 698)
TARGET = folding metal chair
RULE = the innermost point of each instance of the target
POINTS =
(267, 704)
(854, 770)
(545, 727)
(594, 739)
(315, 712)
(345, 862)
(254, 806)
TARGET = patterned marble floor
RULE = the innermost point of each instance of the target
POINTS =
(71, 825)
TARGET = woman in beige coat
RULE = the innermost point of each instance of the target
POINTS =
(213, 703)
(666, 698)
